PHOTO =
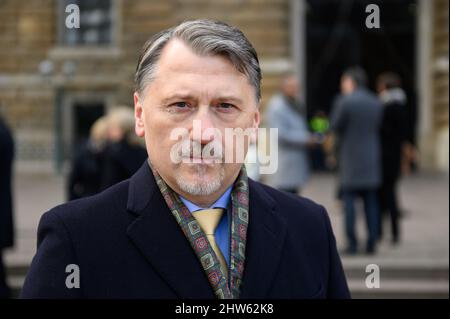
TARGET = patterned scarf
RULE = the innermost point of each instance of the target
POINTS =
(200, 243)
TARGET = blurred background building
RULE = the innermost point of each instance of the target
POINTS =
(55, 82)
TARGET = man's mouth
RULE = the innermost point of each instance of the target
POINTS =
(201, 160)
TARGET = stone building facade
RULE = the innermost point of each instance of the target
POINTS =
(433, 87)
(50, 76)
(43, 75)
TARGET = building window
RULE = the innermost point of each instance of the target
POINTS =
(95, 23)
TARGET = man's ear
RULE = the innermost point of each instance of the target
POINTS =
(139, 127)
(257, 117)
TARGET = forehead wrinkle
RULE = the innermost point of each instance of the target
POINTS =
(193, 62)
(175, 74)
(176, 83)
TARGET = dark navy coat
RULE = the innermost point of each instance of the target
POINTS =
(127, 244)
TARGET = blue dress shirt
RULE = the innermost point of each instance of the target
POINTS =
(222, 233)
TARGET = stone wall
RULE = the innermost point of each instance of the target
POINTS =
(28, 36)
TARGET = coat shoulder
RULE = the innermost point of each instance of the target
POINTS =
(94, 210)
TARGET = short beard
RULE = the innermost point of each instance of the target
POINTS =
(201, 187)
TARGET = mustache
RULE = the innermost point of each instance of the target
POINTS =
(194, 149)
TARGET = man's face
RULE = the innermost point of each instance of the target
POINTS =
(381, 87)
(188, 87)
(115, 132)
(290, 86)
(347, 85)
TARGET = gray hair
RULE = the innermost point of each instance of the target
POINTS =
(204, 37)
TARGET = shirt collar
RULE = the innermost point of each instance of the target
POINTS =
(222, 202)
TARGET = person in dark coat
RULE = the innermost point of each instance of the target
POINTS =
(355, 119)
(6, 201)
(124, 153)
(86, 174)
(393, 137)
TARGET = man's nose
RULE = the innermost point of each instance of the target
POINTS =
(203, 127)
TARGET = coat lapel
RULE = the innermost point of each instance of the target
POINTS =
(159, 238)
(265, 238)
(157, 235)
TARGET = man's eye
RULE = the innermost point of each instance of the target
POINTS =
(180, 104)
(225, 106)
(178, 107)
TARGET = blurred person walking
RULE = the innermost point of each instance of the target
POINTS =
(355, 120)
(125, 153)
(86, 174)
(393, 137)
(6, 202)
(287, 113)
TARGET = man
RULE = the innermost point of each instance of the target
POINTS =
(287, 114)
(355, 119)
(6, 213)
(200, 229)
(393, 138)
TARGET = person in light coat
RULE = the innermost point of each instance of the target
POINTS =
(287, 114)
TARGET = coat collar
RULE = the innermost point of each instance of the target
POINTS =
(265, 239)
(156, 234)
(160, 239)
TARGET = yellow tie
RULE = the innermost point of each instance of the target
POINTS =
(208, 219)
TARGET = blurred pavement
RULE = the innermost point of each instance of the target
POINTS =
(416, 268)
